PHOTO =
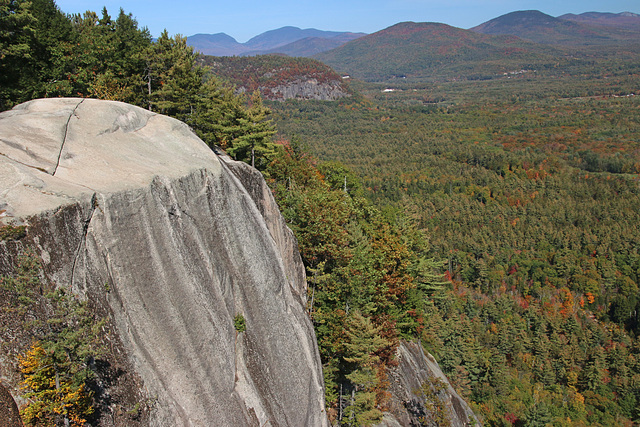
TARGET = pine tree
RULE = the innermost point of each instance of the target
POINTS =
(363, 340)
(216, 120)
(174, 78)
(53, 46)
(256, 132)
(18, 77)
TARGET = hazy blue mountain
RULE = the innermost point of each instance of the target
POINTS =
(219, 44)
(285, 35)
(309, 46)
(274, 41)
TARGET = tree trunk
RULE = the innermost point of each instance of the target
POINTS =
(149, 88)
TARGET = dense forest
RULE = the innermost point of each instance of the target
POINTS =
(493, 219)
(527, 189)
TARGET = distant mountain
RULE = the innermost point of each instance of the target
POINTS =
(285, 40)
(621, 20)
(309, 46)
(539, 27)
(412, 49)
(219, 44)
(535, 26)
(275, 38)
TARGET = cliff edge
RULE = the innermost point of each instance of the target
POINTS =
(130, 210)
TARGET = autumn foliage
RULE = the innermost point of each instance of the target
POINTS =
(52, 396)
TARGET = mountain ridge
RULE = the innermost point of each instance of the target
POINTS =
(428, 49)
(622, 19)
(221, 43)
(591, 28)
(287, 40)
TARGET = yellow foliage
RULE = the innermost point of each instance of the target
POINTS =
(52, 397)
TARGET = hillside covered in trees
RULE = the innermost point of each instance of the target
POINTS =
(527, 190)
(431, 51)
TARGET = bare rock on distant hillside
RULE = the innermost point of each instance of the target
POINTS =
(279, 78)
(306, 89)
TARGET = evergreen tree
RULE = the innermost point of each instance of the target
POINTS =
(54, 41)
(123, 77)
(255, 133)
(178, 75)
(219, 109)
(18, 76)
(363, 340)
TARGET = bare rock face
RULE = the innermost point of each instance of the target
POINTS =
(131, 210)
(409, 406)
(9, 415)
(309, 88)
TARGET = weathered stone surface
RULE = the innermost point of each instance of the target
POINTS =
(9, 415)
(135, 212)
(407, 407)
(309, 88)
(287, 244)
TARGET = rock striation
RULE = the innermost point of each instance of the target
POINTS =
(131, 210)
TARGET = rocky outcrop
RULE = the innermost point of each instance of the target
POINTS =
(9, 416)
(306, 89)
(411, 407)
(133, 212)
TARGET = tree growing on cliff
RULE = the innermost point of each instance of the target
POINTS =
(255, 132)
(56, 368)
(362, 343)
(55, 397)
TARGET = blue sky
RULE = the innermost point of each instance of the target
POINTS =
(243, 19)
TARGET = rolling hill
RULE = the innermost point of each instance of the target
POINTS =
(412, 49)
(621, 20)
(592, 29)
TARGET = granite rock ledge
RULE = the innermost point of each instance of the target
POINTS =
(131, 210)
